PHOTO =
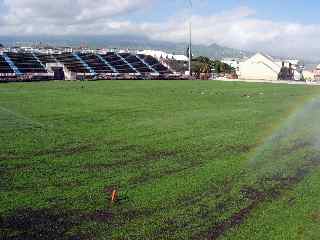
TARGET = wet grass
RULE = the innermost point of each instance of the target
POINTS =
(191, 160)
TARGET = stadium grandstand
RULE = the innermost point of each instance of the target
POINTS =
(33, 66)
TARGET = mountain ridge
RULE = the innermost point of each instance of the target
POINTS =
(126, 42)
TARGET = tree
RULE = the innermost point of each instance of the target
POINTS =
(221, 67)
(196, 68)
(203, 66)
(286, 73)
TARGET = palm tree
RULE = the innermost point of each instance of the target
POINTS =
(205, 70)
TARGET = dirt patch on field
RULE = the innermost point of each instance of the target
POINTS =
(81, 147)
(100, 216)
(3, 171)
(143, 157)
(149, 176)
(112, 165)
(43, 224)
(239, 148)
(127, 148)
(295, 146)
(70, 151)
(267, 189)
(5, 178)
(50, 224)
(215, 190)
(57, 152)
(132, 214)
(156, 155)
(315, 217)
(97, 167)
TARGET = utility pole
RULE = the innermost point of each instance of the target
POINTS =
(190, 47)
(190, 37)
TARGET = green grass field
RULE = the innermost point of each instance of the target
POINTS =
(190, 159)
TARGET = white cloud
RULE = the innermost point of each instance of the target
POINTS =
(69, 11)
(238, 28)
(58, 14)
(241, 28)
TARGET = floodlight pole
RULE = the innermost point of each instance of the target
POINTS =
(190, 47)
(190, 37)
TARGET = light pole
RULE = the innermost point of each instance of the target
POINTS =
(190, 37)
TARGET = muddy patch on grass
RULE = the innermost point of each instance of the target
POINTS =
(149, 176)
(45, 224)
(294, 147)
(5, 178)
(239, 148)
(100, 216)
(267, 189)
(315, 217)
(215, 190)
(3, 171)
(144, 157)
(132, 214)
(151, 155)
(97, 167)
(127, 148)
(57, 152)
(50, 224)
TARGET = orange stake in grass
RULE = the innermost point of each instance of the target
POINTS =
(114, 196)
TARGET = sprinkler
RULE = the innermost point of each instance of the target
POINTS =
(114, 196)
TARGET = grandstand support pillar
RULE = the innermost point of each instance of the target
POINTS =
(84, 63)
(12, 65)
(107, 63)
(147, 64)
(123, 59)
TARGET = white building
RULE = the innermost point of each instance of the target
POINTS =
(308, 75)
(259, 67)
(264, 67)
(316, 73)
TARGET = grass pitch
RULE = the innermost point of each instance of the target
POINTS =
(190, 160)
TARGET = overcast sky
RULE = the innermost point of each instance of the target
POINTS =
(278, 27)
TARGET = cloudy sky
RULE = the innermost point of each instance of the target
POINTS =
(279, 27)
